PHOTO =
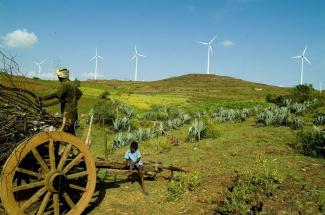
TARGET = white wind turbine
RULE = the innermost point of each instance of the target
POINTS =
(96, 65)
(39, 64)
(302, 57)
(136, 56)
(209, 44)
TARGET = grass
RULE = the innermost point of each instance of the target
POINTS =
(237, 148)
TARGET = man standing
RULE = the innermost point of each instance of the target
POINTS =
(68, 95)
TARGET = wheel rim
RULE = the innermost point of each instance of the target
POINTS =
(50, 173)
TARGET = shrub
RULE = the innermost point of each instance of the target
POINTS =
(246, 194)
(303, 92)
(181, 183)
(211, 131)
(312, 142)
(105, 111)
(104, 95)
(197, 129)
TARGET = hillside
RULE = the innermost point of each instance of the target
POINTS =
(192, 90)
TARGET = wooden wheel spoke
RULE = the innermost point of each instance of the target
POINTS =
(52, 155)
(29, 172)
(76, 187)
(28, 186)
(56, 204)
(64, 156)
(44, 203)
(33, 199)
(68, 200)
(72, 163)
(77, 175)
(40, 160)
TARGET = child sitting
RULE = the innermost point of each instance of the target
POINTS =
(133, 158)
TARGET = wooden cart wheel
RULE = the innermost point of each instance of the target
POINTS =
(50, 173)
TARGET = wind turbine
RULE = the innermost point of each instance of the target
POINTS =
(209, 44)
(39, 64)
(96, 58)
(136, 56)
(302, 57)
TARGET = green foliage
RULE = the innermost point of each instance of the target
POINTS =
(303, 92)
(319, 119)
(76, 82)
(122, 139)
(181, 183)
(248, 191)
(105, 111)
(196, 130)
(297, 122)
(212, 130)
(127, 110)
(233, 115)
(311, 142)
(105, 94)
(120, 124)
(273, 115)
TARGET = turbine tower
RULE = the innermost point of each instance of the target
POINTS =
(39, 64)
(96, 65)
(209, 44)
(136, 56)
(302, 57)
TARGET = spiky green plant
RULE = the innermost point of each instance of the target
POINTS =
(197, 129)
(297, 122)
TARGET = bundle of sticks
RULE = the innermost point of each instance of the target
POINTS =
(21, 116)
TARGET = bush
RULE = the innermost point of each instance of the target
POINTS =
(312, 142)
(181, 183)
(303, 92)
(212, 131)
(246, 194)
(104, 95)
(105, 111)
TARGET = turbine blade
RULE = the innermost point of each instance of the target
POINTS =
(303, 53)
(42, 62)
(100, 57)
(307, 60)
(141, 55)
(204, 43)
(135, 49)
(92, 58)
(296, 57)
(132, 58)
(211, 41)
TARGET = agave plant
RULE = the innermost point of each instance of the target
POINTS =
(196, 129)
(127, 110)
(297, 122)
(319, 120)
(299, 108)
(185, 118)
(121, 123)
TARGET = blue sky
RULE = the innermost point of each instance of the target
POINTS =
(262, 37)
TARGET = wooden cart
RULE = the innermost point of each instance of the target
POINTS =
(53, 173)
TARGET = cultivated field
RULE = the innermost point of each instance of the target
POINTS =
(242, 157)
